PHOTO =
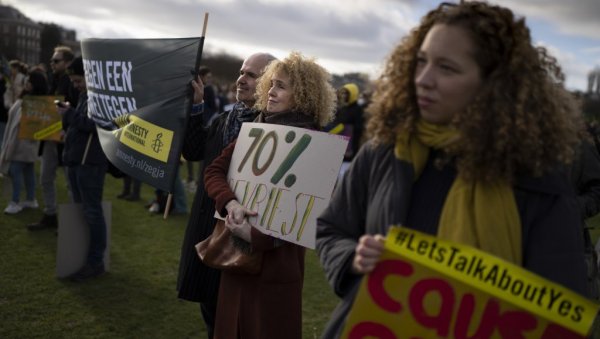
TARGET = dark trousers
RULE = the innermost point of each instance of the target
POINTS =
(128, 182)
(87, 183)
(209, 313)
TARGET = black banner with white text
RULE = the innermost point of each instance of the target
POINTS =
(139, 96)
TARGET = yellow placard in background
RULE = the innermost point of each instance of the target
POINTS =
(40, 119)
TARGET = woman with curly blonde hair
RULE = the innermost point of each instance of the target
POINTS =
(471, 131)
(295, 91)
(310, 86)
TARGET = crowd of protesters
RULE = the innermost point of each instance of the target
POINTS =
(469, 136)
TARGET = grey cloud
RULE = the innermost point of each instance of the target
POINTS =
(581, 17)
(286, 26)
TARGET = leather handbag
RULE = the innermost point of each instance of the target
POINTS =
(224, 251)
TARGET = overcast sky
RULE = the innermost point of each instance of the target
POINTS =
(344, 35)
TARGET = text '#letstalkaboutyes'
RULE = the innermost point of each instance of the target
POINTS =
(493, 275)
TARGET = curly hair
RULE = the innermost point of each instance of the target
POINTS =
(311, 87)
(522, 120)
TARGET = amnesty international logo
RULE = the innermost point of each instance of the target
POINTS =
(147, 138)
(157, 144)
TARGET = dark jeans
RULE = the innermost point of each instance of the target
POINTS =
(128, 182)
(87, 183)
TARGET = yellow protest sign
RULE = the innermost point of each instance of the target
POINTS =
(40, 119)
(424, 287)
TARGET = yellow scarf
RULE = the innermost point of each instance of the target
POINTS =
(481, 214)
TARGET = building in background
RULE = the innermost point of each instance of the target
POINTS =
(20, 36)
(31, 42)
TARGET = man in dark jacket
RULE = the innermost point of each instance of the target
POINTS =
(197, 282)
(86, 164)
(51, 151)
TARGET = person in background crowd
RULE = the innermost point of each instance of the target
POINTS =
(211, 108)
(223, 98)
(18, 156)
(230, 95)
(178, 203)
(61, 82)
(585, 177)
(51, 151)
(3, 108)
(297, 92)
(348, 122)
(472, 130)
(131, 189)
(87, 166)
(211, 101)
(196, 282)
(18, 75)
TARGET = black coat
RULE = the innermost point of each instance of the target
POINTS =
(61, 85)
(585, 176)
(352, 118)
(80, 129)
(197, 282)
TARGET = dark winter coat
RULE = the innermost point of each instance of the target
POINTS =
(79, 130)
(197, 282)
(585, 176)
(376, 191)
(352, 119)
(61, 85)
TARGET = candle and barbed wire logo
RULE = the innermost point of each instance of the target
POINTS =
(157, 144)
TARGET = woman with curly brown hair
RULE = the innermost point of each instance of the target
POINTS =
(471, 131)
(295, 91)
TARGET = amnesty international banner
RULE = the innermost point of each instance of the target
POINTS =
(286, 174)
(40, 119)
(140, 98)
(424, 287)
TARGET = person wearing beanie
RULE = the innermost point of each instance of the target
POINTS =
(348, 121)
(76, 68)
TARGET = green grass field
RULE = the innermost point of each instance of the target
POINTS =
(136, 299)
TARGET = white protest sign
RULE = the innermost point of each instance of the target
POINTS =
(286, 174)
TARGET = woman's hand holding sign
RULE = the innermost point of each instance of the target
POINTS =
(367, 253)
(236, 220)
